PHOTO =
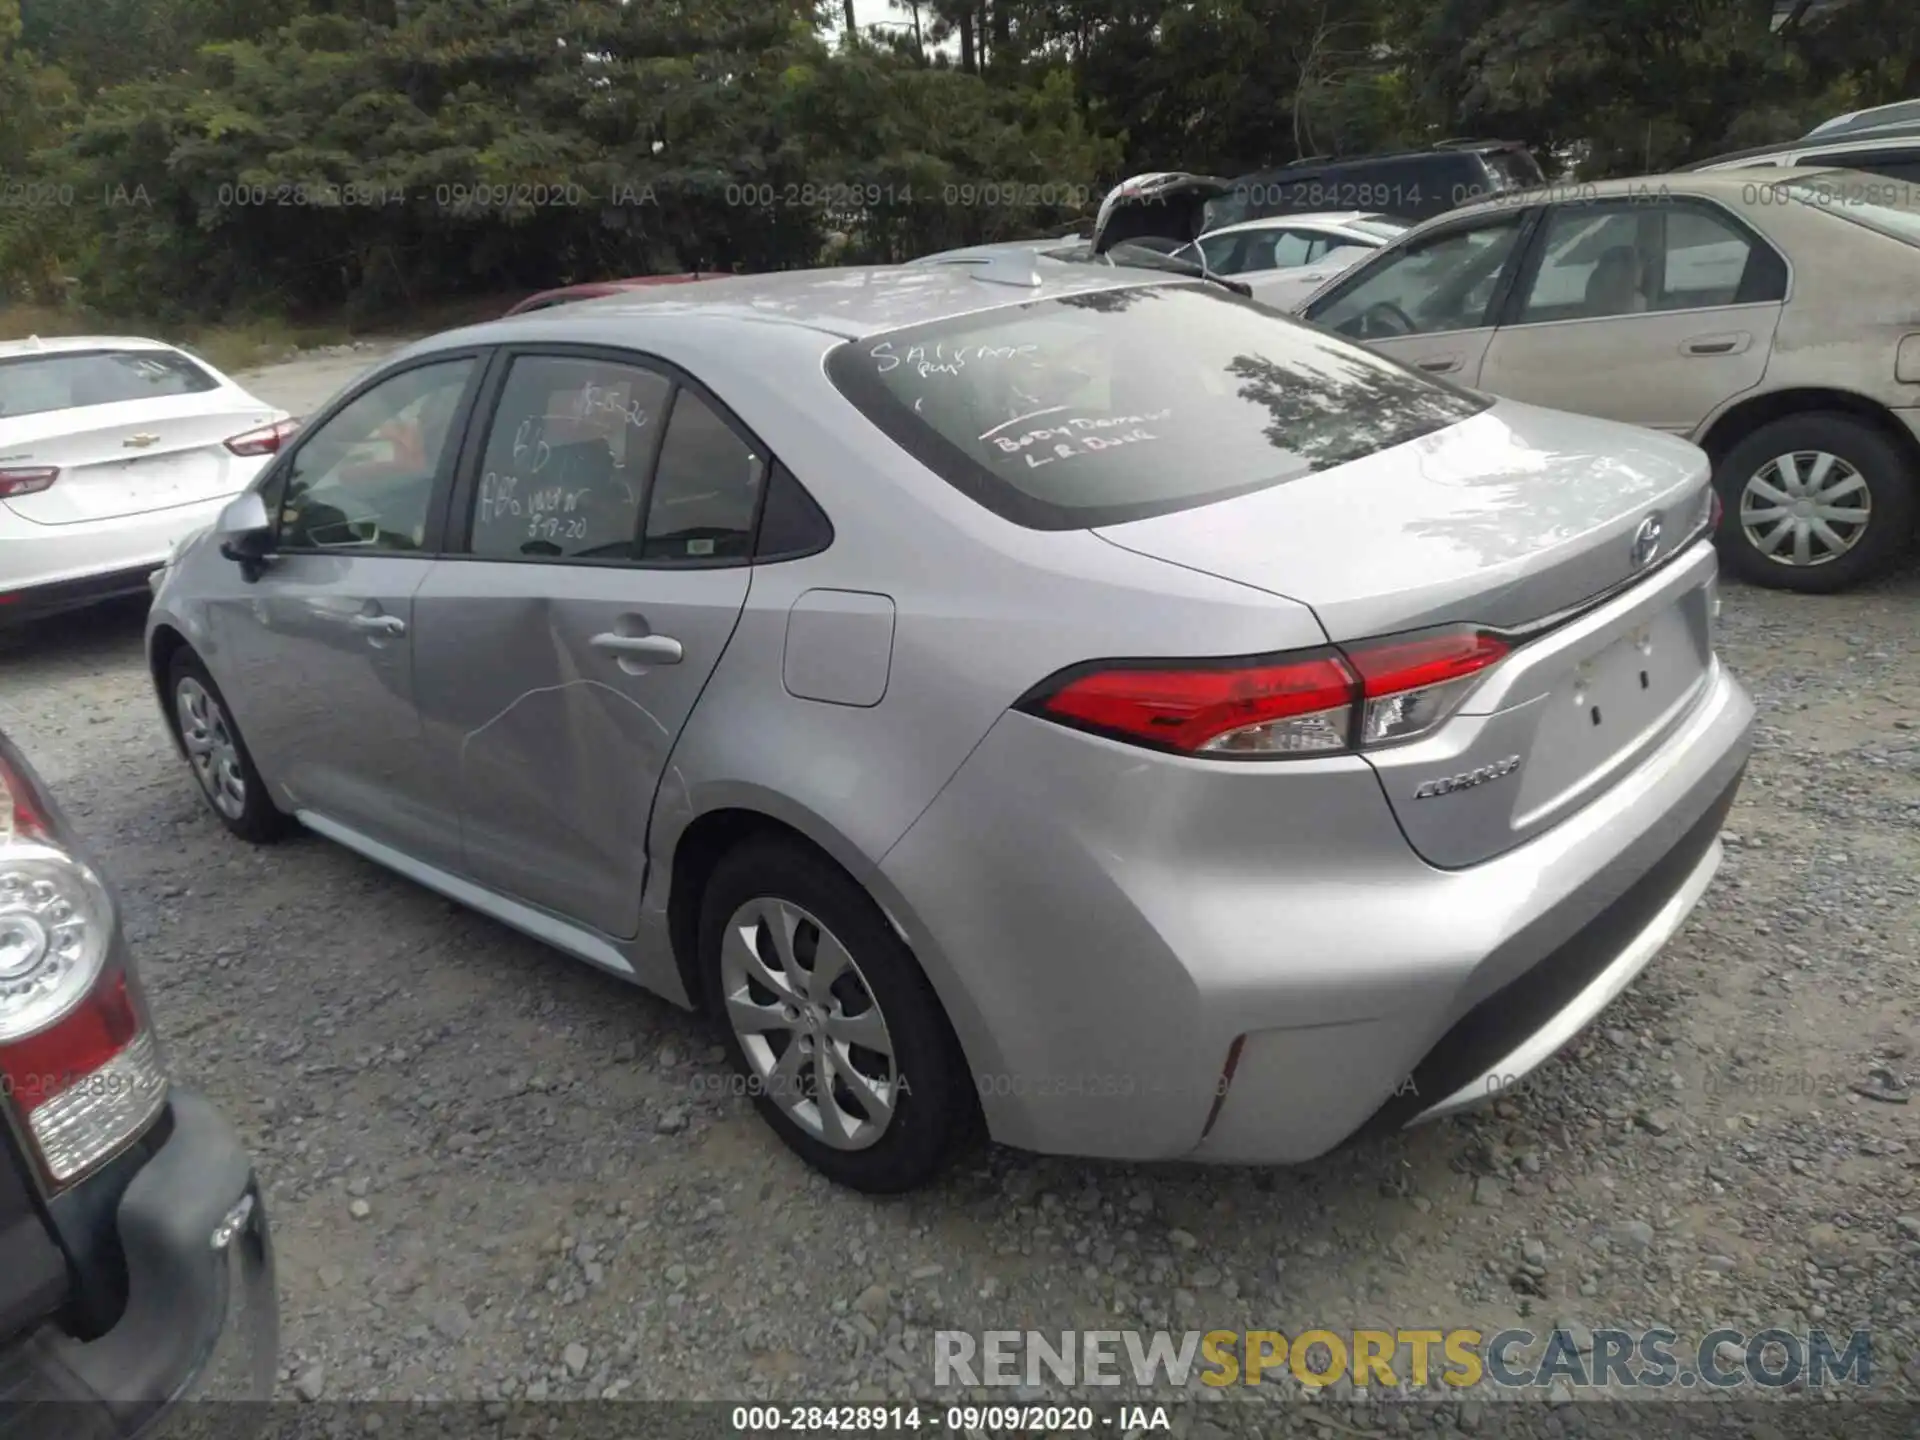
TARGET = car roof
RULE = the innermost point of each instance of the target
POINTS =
(1893, 137)
(848, 301)
(1305, 217)
(1728, 185)
(57, 344)
(1857, 120)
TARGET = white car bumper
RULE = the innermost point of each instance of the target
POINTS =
(44, 568)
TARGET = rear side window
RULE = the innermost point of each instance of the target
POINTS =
(706, 491)
(1101, 408)
(34, 384)
(566, 461)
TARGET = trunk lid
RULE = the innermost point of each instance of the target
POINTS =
(133, 456)
(1509, 520)
(1169, 205)
(1502, 519)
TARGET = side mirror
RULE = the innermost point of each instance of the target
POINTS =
(245, 532)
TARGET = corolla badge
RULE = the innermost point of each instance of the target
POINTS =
(1646, 541)
(1467, 779)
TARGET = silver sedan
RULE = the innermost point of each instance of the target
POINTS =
(1075, 700)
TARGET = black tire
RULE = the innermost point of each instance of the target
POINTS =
(1883, 464)
(257, 818)
(935, 1105)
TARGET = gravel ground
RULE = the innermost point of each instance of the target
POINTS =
(494, 1173)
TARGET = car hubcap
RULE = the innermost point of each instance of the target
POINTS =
(211, 747)
(808, 1023)
(1806, 508)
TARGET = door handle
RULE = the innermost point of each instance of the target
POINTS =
(1717, 344)
(660, 649)
(1439, 364)
(379, 624)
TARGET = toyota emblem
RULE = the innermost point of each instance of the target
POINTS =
(1646, 541)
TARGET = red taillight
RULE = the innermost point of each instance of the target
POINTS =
(1307, 703)
(28, 481)
(1714, 512)
(79, 1069)
(1222, 709)
(267, 440)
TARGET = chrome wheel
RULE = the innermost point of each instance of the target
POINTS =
(808, 1024)
(211, 748)
(1806, 508)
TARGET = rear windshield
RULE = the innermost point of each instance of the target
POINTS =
(73, 379)
(1116, 405)
(1516, 169)
(1889, 206)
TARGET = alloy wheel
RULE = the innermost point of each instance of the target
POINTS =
(808, 1024)
(211, 747)
(1805, 508)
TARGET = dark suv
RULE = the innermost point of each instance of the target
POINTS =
(135, 1267)
(1409, 184)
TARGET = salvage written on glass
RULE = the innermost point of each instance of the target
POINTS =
(1068, 439)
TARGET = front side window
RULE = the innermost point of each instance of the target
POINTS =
(1222, 253)
(1114, 405)
(364, 479)
(1284, 249)
(564, 473)
(1445, 282)
(77, 379)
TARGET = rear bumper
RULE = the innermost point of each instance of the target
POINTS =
(1108, 927)
(48, 568)
(36, 602)
(201, 1320)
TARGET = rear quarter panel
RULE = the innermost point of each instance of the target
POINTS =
(1854, 293)
(984, 610)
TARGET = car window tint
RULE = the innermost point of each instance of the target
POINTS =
(35, 384)
(1444, 282)
(566, 460)
(1591, 266)
(1285, 248)
(1223, 253)
(1894, 164)
(1703, 260)
(364, 479)
(1099, 408)
(706, 490)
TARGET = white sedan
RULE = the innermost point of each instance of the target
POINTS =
(113, 450)
(1285, 258)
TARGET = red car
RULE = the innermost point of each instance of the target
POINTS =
(596, 289)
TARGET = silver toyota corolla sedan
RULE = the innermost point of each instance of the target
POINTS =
(1073, 699)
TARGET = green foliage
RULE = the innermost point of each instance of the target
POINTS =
(195, 157)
